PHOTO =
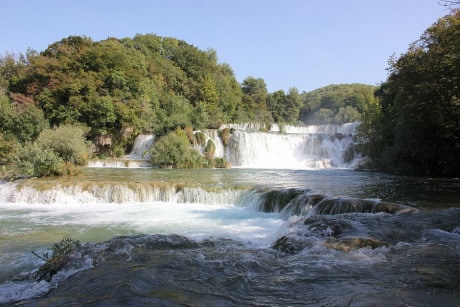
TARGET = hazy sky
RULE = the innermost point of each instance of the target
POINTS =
(305, 44)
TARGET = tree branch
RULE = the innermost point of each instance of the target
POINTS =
(449, 3)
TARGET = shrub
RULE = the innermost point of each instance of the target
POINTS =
(209, 150)
(170, 149)
(174, 150)
(200, 138)
(33, 160)
(68, 142)
(61, 254)
(7, 148)
(221, 163)
(189, 131)
(225, 135)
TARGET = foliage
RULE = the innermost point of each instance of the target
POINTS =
(33, 160)
(7, 149)
(173, 150)
(253, 106)
(143, 84)
(210, 150)
(221, 163)
(285, 108)
(68, 142)
(200, 138)
(55, 152)
(24, 122)
(61, 252)
(225, 135)
(419, 124)
(191, 137)
(336, 104)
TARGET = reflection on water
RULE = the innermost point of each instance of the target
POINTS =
(424, 193)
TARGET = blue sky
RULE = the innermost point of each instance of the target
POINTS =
(305, 44)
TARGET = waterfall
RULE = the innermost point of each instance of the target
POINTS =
(119, 163)
(114, 192)
(138, 158)
(270, 150)
(254, 145)
(285, 201)
(213, 135)
(141, 145)
(344, 129)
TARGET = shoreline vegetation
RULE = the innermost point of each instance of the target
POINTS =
(96, 97)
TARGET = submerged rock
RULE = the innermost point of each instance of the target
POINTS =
(348, 244)
(333, 205)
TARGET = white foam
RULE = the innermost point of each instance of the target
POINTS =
(191, 219)
(12, 291)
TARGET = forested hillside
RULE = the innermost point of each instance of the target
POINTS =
(99, 95)
(116, 89)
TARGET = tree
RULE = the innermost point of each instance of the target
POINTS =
(347, 114)
(421, 105)
(33, 160)
(23, 122)
(449, 3)
(292, 105)
(173, 150)
(350, 99)
(254, 101)
(7, 148)
(68, 142)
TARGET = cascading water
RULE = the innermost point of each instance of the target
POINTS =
(254, 145)
(138, 158)
(213, 135)
(233, 237)
(309, 147)
(141, 146)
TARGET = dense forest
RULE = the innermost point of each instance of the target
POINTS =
(415, 128)
(115, 89)
(99, 95)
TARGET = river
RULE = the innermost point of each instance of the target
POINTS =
(234, 237)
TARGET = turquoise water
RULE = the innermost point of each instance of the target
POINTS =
(224, 204)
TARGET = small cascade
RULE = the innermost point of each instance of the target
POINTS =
(138, 158)
(347, 129)
(119, 163)
(141, 145)
(213, 135)
(113, 192)
(304, 202)
(245, 126)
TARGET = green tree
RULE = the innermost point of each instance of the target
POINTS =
(421, 106)
(292, 105)
(7, 148)
(24, 122)
(68, 142)
(34, 160)
(338, 98)
(254, 100)
(323, 116)
(346, 115)
(173, 150)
